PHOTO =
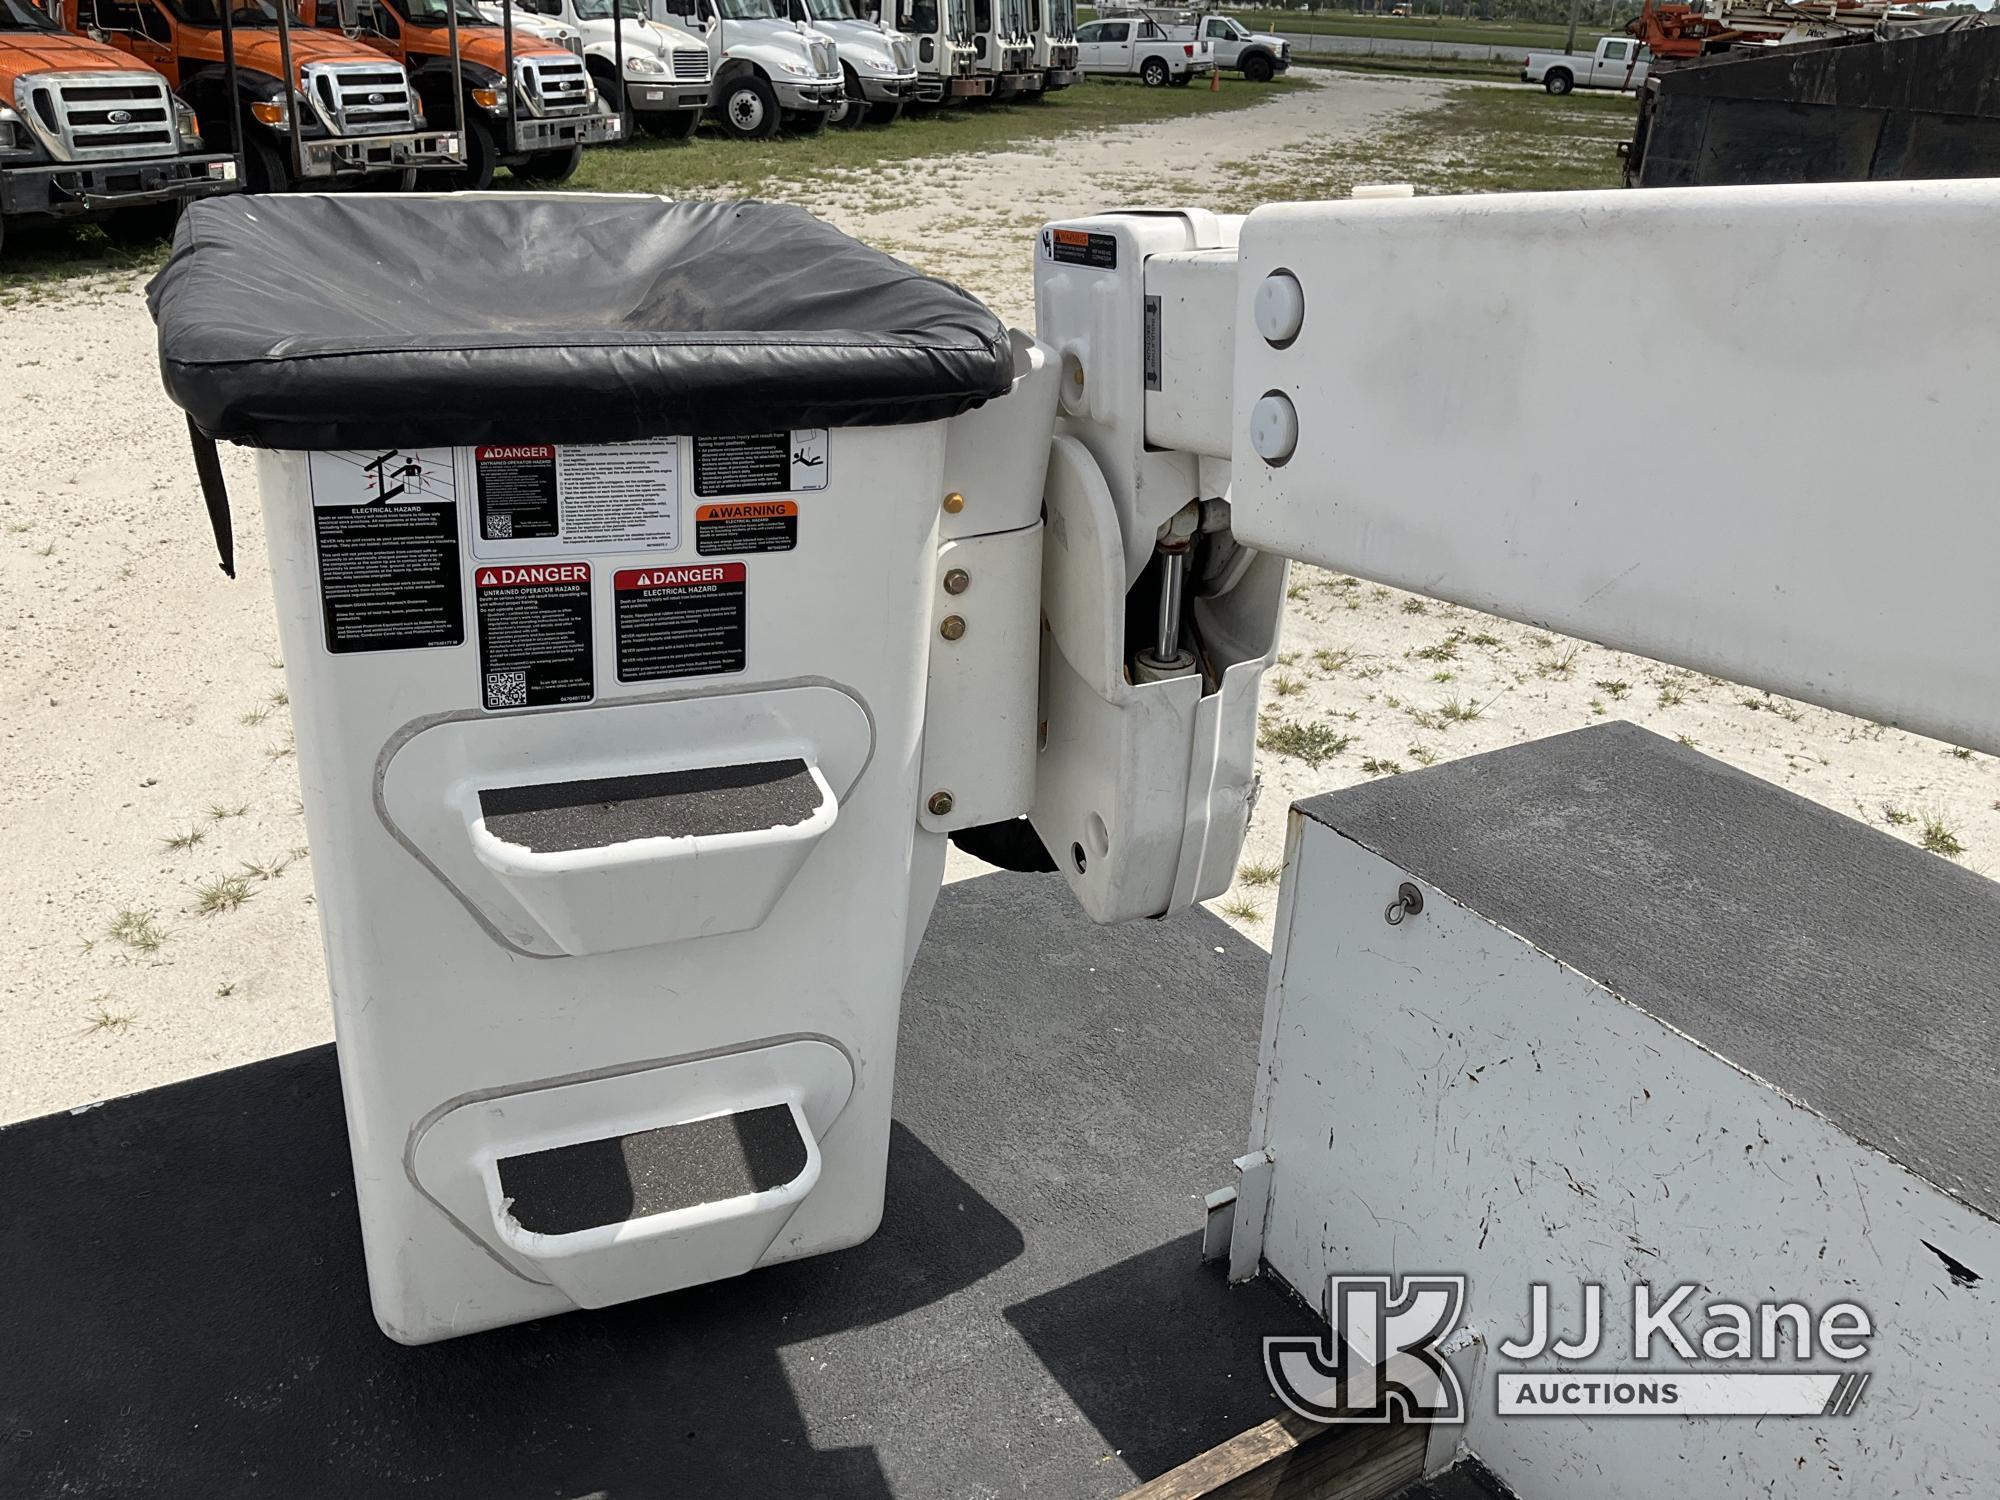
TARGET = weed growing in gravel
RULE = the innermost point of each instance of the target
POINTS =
(1617, 688)
(1423, 755)
(217, 811)
(1458, 711)
(1314, 744)
(1284, 685)
(1563, 667)
(180, 843)
(138, 930)
(104, 1018)
(253, 717)
(1241, 909)
(268, 869)
(225, 893)
(1940, 838)
(1896, 817)
(1375, 767)
(1258, 874)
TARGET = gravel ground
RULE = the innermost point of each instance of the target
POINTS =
(157, 901)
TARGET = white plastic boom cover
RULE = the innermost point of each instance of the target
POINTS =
(1748, 430)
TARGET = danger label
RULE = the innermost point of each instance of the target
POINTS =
(746, 526)
(761, 463)
(679, 622)
(385, 530)
(517, 492)
(534, 634)
(538, 498)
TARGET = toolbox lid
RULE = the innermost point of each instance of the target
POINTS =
(376, 321)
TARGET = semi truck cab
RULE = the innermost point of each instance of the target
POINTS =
(537, 127)
(947, 54)
(878, 64)
(87, 132)
(667, 74)
(358, 119)
(771, 71)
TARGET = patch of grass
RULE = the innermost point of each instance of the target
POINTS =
(1423, 755)
(278, 752)
(267, 869)
(138, 930)
(1258, 874)
(1242, 909)
(1562, 667)
(280, 698)
(1378, 767)
(255, 716)
(1444, 650)
(1284, 685)
(1485, 638)
(1458, 711)
(1315, 744)
(1671, 696)
(224, 990)
(218, 811)
(1940, 838)
(1415, 607)
(180, 843)
(1332, 662)
(1896, 817)
(225, 893)
(103, 1018)
(1617, 689)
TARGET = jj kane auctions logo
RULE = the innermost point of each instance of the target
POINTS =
(1384, 1356)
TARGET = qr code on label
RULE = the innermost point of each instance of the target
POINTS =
(506, 689)
(499, 528)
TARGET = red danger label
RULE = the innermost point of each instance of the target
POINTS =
(532, 575)
(694, 576)
(532, 450)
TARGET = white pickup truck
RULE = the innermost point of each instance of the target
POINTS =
(1136, 47)
(1258, 55)
(1620, 62)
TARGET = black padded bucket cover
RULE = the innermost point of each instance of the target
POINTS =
(382, 321)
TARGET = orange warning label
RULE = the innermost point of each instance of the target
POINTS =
(746, 526)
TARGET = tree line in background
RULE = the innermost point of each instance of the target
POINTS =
(1600, 13)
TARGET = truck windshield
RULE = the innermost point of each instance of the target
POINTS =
(600, 10)
(1062, 19)
(432, 13)
(1014, 17)
(751, 10)
(835, 10)
(19, 15)
(241, 13)
(960, 15)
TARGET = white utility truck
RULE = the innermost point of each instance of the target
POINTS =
(1004, 46)
(878, 64)
(1052, 25)
(643, 670)
(1259, 56)
(1139, 47)
(770, 71)
(667, 73)
(1619, 62)
(947, 54)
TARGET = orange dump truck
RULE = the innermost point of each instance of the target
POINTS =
(358, 120)
(87, 132)
(537, 126)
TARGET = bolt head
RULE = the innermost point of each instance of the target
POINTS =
(940, 804)
(957, 581)
(952, 627)
(954, 503)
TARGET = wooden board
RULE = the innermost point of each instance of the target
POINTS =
(1291, 1458)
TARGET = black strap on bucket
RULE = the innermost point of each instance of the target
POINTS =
(215, 494)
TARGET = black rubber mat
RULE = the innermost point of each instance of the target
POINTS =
(620, 1177)
(557, 816)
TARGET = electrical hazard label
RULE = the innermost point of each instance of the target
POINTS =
(538, 498)
(385, 530)
(534, 634)
(679, 622)
(761, 463)
(746, 526)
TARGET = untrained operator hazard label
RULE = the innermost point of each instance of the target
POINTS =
(385, 529)
(534, 634)
(535, 499)
(679, 622)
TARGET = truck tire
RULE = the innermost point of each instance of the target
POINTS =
(550, 167)
(885, 114)
(264, 166)
(852, 110)
(1558, 81)
(671, 124)
(482, 158)
(1153, 72)
(805, 122)
(750, 108)
(1258, 68)
(612, 92)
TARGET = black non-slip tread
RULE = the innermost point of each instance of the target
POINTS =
(558, 816)
(592, 1183)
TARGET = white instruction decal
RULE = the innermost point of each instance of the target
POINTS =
(538, 499)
